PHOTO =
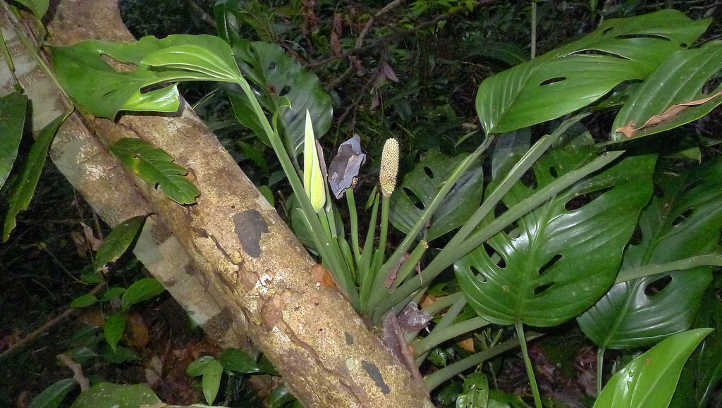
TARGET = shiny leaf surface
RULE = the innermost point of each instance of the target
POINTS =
(53, 395)
(684, 221)
(38, 7)
(650, 379)
(140, 291)
(563, 255)
(107, 395)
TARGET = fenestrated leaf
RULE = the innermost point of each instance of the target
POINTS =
(155, 166)
(657, 105)
(53, 395)
(140, 291)
(38, 7)
(277, 76)
(101, 90)
(684, 221)
(577, 74)
(114, 327)
(422, 184)
(703, 371)
(650, 379)
(117, 396)
(12, 122)
(118, 241)
(21, 191)
(560, 261)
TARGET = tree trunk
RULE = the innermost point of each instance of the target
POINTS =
(229, 258)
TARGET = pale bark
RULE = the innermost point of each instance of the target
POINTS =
(326, 354)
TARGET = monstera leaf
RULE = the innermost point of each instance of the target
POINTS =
(281, 81)
(672, 95)
(101, 90)
(421, 186)
(684, 221)
(577, 74)
(560, 258)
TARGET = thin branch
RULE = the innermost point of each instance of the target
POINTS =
(77, 370)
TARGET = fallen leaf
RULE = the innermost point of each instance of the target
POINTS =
(391, 277)
(466, 344)
(322, 276)
(412, 318)
(670, 113)
(345, 166)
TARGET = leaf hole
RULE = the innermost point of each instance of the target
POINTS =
(552, 80)
(599, 52)
(479, 275)
(553, 172)
(529, 179)
(499, 209)
(657, 286)
(542, 288)
(606, 31)
(684, 45)
(680, 218)
(272, 66)
(285, 90)
(512, 230)
(413, 198)
(658, 192)
(428, 172)
(549, 264)
(495, 256)
(583, 199)
(633, 36)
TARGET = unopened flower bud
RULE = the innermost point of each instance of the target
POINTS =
(389, 167)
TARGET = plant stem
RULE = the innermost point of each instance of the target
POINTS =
(451, 253)
(351, 201)
(680, 265)
(366, 275)
(381, 253)
(439, 336)
(527, 363)
(439, 377)
(600, 369)
(533, 29)
(410, 264)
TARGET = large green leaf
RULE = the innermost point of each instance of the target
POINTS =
(140, 291)
(22, 189)
(38, 7)
(114, 328)
(577, 74)
(684, 221)
(650, 379)
(156, 167)
(211, 381)
(421, 185)
(118, 241)
(53, 395)
(12, 122)
(107, 395)
(279, 80)
(678, 80)
(559, 261)
(703, 372)
(101, 90)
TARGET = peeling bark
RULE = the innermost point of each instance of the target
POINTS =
(241, 252)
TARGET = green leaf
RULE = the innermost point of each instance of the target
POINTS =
(140, 291)
(107, 395)
(101, 90)
(236, 360)
(278, 76)
(81, 355)
(703, 371)
(38, 7)
(279, 397)
(118, 241)
(422, 184)
(120, 355)
(197, 366)
(113, 328)
(211, 381)
(559, 261)
(82, 301)
(112, 293)
(683, 221)
(13, 109)
(678, 80)
(155, 166)
(650, 379)
(476, 392)
(21, 191)
(53, 395)
(577, 74)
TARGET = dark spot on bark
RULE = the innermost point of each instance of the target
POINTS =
(169, 283)
(349, 338)
(219, 324)
(249, 226)
(375, 375)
